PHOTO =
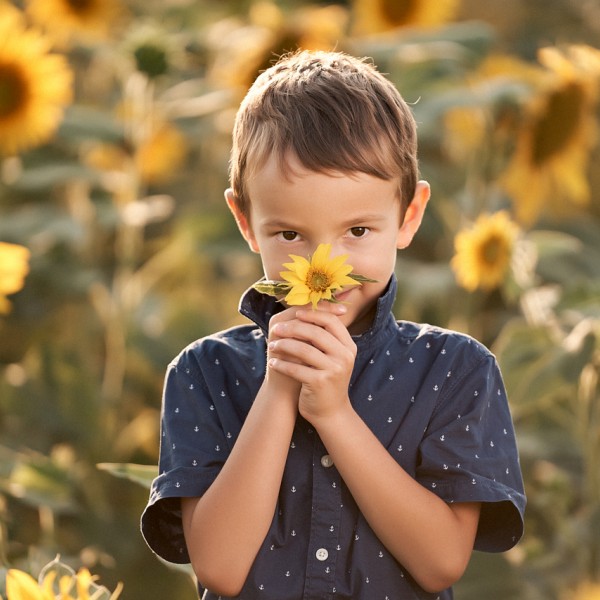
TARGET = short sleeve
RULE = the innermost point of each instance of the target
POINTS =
(193, 448)
(469, 452)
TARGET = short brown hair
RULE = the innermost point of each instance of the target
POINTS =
(335, 113)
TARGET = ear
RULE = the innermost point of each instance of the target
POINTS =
(242, 220)
(414, 215)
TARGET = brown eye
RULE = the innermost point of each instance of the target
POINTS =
(289, 236)
(358, 231)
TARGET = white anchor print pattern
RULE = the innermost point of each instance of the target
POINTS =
(418, 402)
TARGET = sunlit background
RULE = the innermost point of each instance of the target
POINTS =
(116, 249)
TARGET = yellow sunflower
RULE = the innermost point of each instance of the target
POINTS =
(14, 266)
(71, 585)
(67, 19)
(22, 586)
(317, 279)
(378, 16)
(551, 157)
(484, 251)
(35, 85)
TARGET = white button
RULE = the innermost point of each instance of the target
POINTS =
(326, 460)
(322, 554)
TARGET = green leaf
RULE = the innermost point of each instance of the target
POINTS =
(361, 278)
(541, 366)
(48, 176)
(272, 288)
(142, 474)
(553, 243)
(85, 123)
(38, 481)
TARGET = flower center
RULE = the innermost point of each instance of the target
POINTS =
(560, 120)
(13, 90)
(493, 250)
(79, 6)
(398, 12)
(151, 59)
(318, 281)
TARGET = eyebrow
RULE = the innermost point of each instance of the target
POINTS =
(365, 218)
(360, 218)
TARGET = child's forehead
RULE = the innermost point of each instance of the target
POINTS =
(287, 167)
(277, 193)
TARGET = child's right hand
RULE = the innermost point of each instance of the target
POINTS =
(279, 383)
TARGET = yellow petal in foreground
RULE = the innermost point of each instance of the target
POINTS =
(84, 580)
(35, 85)
(14, 266)
(483, 252)
(21, 586)
(317, 279)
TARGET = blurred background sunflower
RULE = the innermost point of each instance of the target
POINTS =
(14, 266)
(68, 19)
(550, 165)
(35, 85)
(377, 16)
(484, 252)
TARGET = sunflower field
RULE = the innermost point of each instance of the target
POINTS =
(117, 250)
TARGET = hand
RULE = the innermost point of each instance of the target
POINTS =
(315, 350)
(280, 384)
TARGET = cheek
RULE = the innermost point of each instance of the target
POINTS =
(377, 264)
(273, 265)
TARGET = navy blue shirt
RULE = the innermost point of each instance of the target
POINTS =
(434, 398)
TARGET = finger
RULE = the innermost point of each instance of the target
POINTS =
(308, 333)
(297, 371)
(327, 321)
(335, 308)
(284, 316)
(300, 352)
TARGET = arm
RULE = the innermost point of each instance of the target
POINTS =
(225, 528)
(431, 538)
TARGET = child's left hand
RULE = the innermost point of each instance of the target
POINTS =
(316, 350)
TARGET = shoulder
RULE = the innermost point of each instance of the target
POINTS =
(234, 346)
(436, 338)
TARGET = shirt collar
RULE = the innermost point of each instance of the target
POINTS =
(259, 308)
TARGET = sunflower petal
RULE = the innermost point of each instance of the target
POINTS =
(310, 281)
(21, 586)
(321, 255)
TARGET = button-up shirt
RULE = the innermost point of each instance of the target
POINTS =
(435, 400)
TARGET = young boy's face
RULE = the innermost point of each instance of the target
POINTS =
(358, 215)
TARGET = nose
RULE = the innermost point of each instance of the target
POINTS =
(334, 248)
(337, 249)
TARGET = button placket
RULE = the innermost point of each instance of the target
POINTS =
(326, 513)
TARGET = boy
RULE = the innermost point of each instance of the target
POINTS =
(365, 458)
